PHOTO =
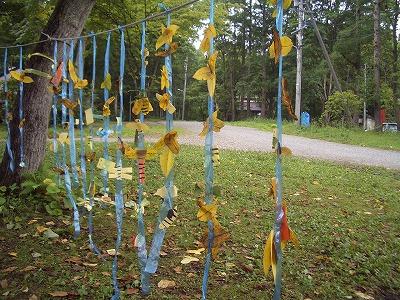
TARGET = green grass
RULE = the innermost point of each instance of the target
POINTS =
(353, 136)
(346, 219)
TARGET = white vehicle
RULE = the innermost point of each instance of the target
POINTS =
(390, 127)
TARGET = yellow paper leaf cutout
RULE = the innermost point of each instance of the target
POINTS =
(63, 138)
(209, 33)
(21, 77)
(217, 124)
(164, 103)
(286, 100)
(285, 151)
(120, 173)
(286, 47)
(106, 106)
(207, 212)
(269, 258)
(220, 237)
(162, 192)
(272, 188)
(142, 105)
(286, 3)
(166, 35)
(106, 84)
(78, 83)
(172, 49)
(196, 251)
(69, 104)
(137, 125)
(171, 142)
(104, 164)
(208, 73)
(164, 78)
(166, 161)
(188, 259)
(89, 116)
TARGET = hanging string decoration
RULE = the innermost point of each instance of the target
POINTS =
(216, 235)
(281, 232)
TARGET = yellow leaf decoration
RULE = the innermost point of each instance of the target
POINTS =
(78, 83)
(120, 173)
(272, 188)
(106, 106)
(286, 47)
(207, 212)
(137, 125)
(69, 104)
(166, 161)
(269, 259)
(63, 138)
(21, 77)
(217, 124)
(274, 138)
(172, 49)
(286, 100)
(104, 164)
(286, 3)
(209, 33)
(166, 35)
(89, 116)
(285, 151)
(164, 103)
(208, 73)
(220, 236)
(171, 142)
(106, 84)
(126, 150)
(142, 105)
(164, 78)
(162, 192)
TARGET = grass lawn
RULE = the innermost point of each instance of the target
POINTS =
(346, 218)
(353, 136)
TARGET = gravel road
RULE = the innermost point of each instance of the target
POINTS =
(242, 138)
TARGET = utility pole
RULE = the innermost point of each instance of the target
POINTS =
(365, 98)
(184, 89)
(299, 37)
(322, 44)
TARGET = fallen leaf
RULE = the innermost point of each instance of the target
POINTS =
(40, 229)
(105, 273)
(9, 269)
(162, 253)
(36, 255)
(166, 284)
(178, 270)
(25, 290)
(32, 221)
(132, 291)
(4, 284)
(364, 296)
(28, 268)
(50, 234)
(23, 235)
(13, 254)
(111, 252)
(51, 223)
(188, 259)
(196, 252)
(58, 294)
(89, 264)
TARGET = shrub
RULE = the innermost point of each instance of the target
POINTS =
(342, 108)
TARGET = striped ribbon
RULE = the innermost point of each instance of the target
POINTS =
(92, 245)
(119, 198)
(209, 171)
(106, 119)
(278, 166)
(64, 84)
(21, 114)
(72, 146)
(6, 112)
(158, 238)
(142, 251)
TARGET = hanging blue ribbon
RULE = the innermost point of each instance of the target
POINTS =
(159, 234)
(92, 245)
(209, 172)
(72, 146)
(278, 167)
(119, 198)
(55, 145)
(21, 114)
(81, 133)
(106, 119)
(68, 187)
(142, 252)
(6, 112)
(64, 84)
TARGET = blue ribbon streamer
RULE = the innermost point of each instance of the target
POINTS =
(119, 199)
(55, 145)
(72, 146)
(64, 84)
(142, 252)
(21, 114)
(209, 172)
(11, 165)
(92, 245)
(278, 167)
(106, 119)
(67, 180)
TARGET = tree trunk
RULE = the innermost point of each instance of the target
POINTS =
(377, 62)
(233, 98)
(67, 20)
(395, 52)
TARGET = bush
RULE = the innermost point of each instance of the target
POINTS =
(342, 108)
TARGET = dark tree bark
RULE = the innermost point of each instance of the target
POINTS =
(67, 20)
(377, 62)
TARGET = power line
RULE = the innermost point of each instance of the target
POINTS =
(149, 18)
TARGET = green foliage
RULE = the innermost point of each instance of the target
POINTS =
(342, 108)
